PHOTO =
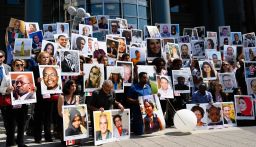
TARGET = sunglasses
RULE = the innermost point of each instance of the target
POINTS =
(1, 56)
(19, 65)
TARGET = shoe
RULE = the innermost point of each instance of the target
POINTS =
(38, 141)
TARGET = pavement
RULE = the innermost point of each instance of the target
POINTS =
(171, 137)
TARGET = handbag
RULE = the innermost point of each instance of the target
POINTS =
(5, 100)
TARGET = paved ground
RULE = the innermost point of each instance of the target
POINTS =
(237, 136)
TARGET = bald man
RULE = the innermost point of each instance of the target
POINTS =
(23, 88)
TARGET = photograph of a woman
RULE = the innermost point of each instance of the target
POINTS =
(199, 112)
(244, 107)
(207, 70)
(115, 74)
(152, 122)
(154, 47)
(94, 77)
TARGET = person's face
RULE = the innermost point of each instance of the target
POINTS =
(214, 115)
(184, 50)
(17, 25)
(224, 31)
(49, 49)
(63, 41)
(164, 84)
(31, 28)
(165, 29)
(104, 61)
(225, 41)
(138, 55)
(76, 122)
(103, 125)
(89, 43)
(122, 46)
(68, 56)
(22, 85)
(45, 59)
(209, 45)
(104, 20)
(2, 58)
(227, 82)
(50, 77)
(36, 39)
(197, 48)
(127, 73)
(207, 68)
(85, 30)
(118, 122)
(236, 37)
(148, 108)
(155, 46)
(94, 74)
(72, 88)
(198, 115)
(113, 45)
(230, 51)
(144, 79)
(18, 66)
(50, 28)
(226, 111)
(242, 105)
(115, 77)
(181, 80)
(62, 28)
(107, 88)
(215, 58)
(253, 86)
(114, 27)
(82, 43)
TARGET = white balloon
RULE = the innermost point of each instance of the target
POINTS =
(81, 12)
(87, 15)
(72, 10)
(185, 120)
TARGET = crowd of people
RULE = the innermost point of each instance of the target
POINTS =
(208, 82)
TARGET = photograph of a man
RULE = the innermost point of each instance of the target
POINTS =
(23, 85)
(70, 62)
(51, 82)
(228, 82)
(228, 113)
(103, 132)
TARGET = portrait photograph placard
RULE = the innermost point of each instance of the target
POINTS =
(210, 43)
(31, 27)
(112, 48)
(62, 41)
(251, 87)
(198, 48)
(49, 31)
(250, 53)
(244, 107)
(200, 112)
(137, 36)
(103, 22)
(51, 79)
(121, 124)
(215, 57)
(164, 85)
(180, 81)
(228, 82)
(127, 34)
(37, 38)
(175, 30)
(114, 26)
(93, 77)
(215, 116)
(154, 48)
(63, 28)
(79, 43)
(208, 71)
(70, 62)
(173, 51)
(103, 127)
(224, 31)
(22, 48)
(92, 20)
(185, 51)
(250, 69)
(236, 38)
(116, 75)
(138, 55)
(230, 53)
(85, 30)
(229, 114)
(165, 30)
(75, 122)
(24, 88)
(128, 71)
(153, 32)
(49, 47)
(152, 114)
(249, 39)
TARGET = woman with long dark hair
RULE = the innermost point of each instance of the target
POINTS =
(207, 70)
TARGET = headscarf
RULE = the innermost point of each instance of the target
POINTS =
(248, 110)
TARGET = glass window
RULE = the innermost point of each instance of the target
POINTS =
(142, 12)
(132, 20)
(96, 9)
(142, 23)
(130, 1)
(130, 10)
(112, 9)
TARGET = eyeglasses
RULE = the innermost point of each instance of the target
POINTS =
(1, 56)
(49, 76)
(21, 83)
(19, 65)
